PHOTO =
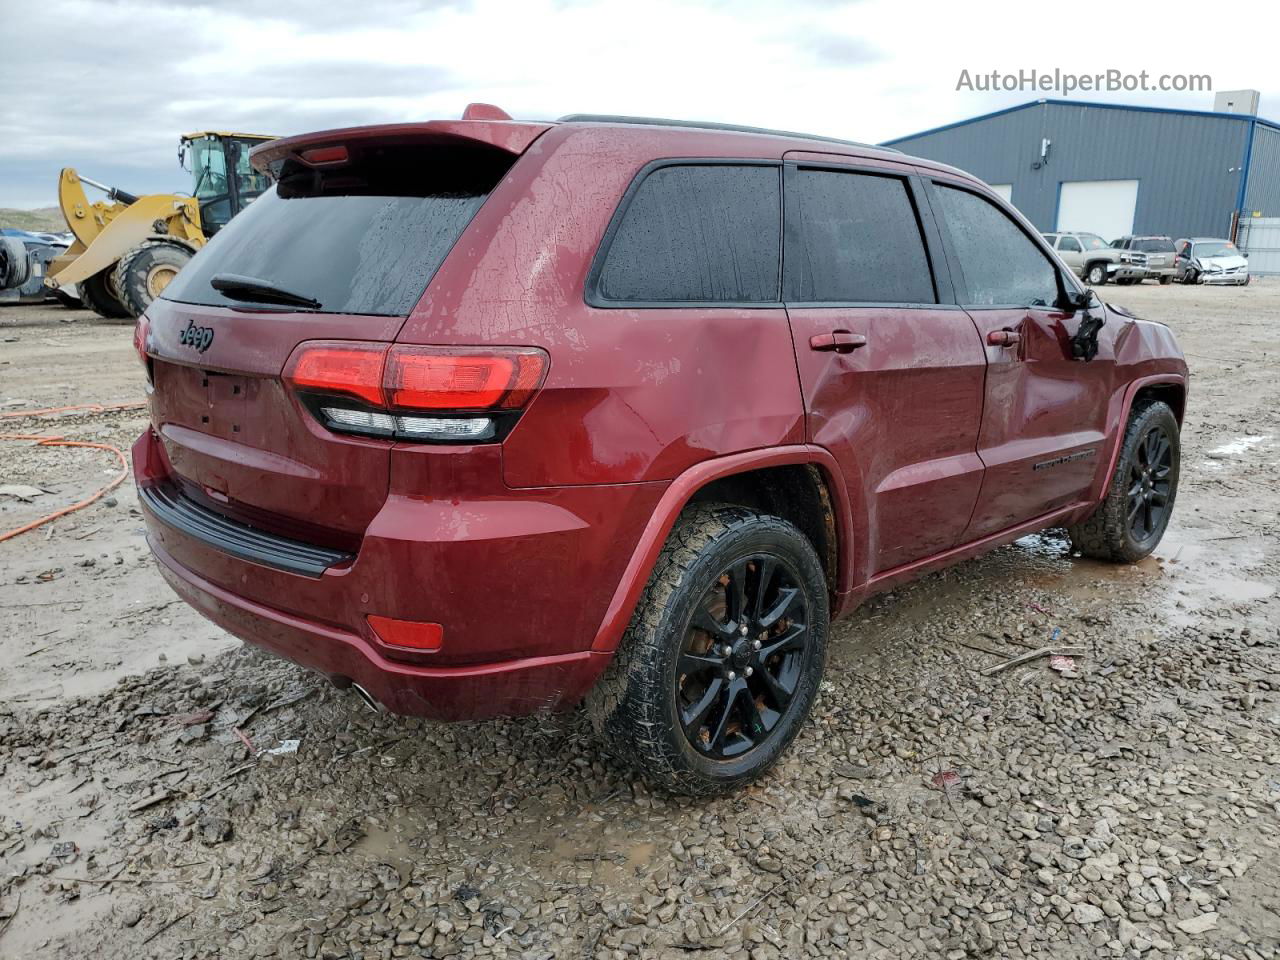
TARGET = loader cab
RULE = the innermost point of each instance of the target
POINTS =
(222, 180)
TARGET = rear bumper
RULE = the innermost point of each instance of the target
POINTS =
(505, 688)
(520, 580)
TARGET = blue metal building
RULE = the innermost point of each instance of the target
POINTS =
(1113, 169)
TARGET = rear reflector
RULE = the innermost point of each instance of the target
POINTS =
(411, 634)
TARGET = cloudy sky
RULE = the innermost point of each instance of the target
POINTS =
(861, 69)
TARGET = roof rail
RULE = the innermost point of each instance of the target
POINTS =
(710, 125)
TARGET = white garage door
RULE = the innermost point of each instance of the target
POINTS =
(1005, 190)
(1104, 207)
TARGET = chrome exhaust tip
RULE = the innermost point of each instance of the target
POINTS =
(367, 698)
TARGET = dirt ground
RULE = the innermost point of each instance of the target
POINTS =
(1129, 806)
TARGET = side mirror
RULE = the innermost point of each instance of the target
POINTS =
(1074, 300)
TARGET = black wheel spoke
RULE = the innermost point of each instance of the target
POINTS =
(703, 620)
(695, 665)
(788, 598)
(694, 717)
(765, 569)
(1161, 451)
(1135, 505)
(721, 726)
(736, 592)
(774, 689)
(753, 726)
(791, 639)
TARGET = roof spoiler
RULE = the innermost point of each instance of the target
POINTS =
(480, 126)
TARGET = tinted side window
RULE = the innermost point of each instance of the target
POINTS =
(999, 262)
(1071, 244)
(856, 238)
(705, 233)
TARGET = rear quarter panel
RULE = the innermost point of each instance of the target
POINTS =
(632, 394)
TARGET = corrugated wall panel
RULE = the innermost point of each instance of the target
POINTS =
(1263, 192)
(1188, 165)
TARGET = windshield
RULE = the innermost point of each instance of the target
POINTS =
(250, 184)
(1156, 245)
(1215, 248)
(208, 169)
(362, 238)
(1092, 241)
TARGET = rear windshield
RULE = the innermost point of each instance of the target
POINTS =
(1154, 246)
(364, 237)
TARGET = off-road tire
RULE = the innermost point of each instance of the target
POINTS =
(15, 263)
(135, 270)
(97, 295)
(68, 301)
(1106, 534)
(634, 706)
(1096, 274)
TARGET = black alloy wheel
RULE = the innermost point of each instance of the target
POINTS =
(743, 657)
(1150, 484)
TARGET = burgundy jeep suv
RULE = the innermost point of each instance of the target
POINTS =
(486, 417)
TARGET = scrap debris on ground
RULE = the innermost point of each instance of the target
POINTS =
(1027, 755)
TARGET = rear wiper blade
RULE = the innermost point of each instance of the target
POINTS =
(253, 290)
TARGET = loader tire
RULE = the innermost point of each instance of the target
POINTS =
(98, 296)
(144, 272)
(15, 265)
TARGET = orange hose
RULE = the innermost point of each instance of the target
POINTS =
(62, 442)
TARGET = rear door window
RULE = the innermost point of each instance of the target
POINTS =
(361, 238)
(1000, 263)
(697, 233)
(1154, 246)
(854, 238)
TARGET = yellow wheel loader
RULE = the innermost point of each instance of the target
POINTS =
(128, 248)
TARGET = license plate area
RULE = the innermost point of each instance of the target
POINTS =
(227, 399)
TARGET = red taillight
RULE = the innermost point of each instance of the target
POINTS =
(141, 330)
(426, 378)
(411, 634)
(417, 393)
(344, 369)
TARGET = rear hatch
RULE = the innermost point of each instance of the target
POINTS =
(340, 249)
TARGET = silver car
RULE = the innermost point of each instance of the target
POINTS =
(1211, 260)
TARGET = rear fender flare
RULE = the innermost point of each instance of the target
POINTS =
(677, 496)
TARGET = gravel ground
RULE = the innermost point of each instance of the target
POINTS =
(1125, 805)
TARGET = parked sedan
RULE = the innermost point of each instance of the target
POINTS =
(1210, 260)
